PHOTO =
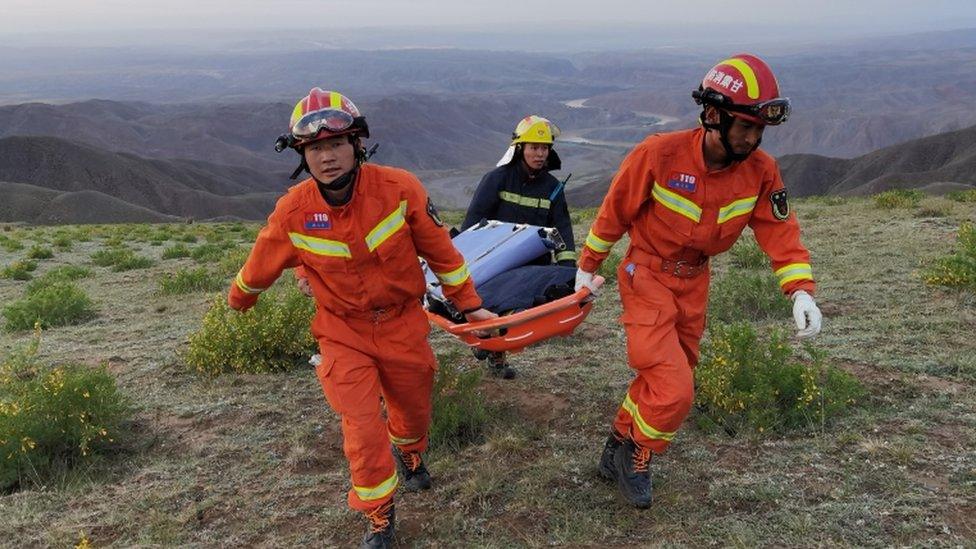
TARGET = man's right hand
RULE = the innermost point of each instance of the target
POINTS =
(584, 280)
(478, 315)
(304, 286)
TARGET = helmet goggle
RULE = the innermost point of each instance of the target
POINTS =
(773, 112)
(331, 120)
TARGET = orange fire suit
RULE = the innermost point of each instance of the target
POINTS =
(677, 214)
(361, 262)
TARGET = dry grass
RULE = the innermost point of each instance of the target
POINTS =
(257, 460)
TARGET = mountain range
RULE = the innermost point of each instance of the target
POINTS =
(937, 163)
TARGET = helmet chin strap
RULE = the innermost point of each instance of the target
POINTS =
(723, 127)
(340, 182)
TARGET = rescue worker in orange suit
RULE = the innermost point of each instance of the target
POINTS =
(521, 190)
(683, 197)
(356, 229)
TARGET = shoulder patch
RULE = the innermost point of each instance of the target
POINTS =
(781, 208)
(432, 212)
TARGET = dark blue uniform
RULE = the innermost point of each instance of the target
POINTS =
(508, 194)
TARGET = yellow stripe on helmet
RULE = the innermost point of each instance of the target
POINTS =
(752, 84)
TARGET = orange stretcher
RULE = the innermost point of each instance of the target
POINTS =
(514, 332)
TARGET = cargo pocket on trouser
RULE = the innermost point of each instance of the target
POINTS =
(322, 372)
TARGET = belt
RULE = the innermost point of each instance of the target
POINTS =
(675, 267)
(378, 314)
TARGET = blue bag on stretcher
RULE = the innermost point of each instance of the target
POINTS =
(493, 247)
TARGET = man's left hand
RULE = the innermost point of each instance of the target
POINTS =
(806, 314)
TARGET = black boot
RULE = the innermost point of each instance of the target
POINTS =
(499, 367)
(413, 473)
(631, 469)
(606, 459)
(379, 532)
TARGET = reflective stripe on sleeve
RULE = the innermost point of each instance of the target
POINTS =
(455, 277)
(239, 280)
(566, 256)
(386, 228)
(597, 244)
(794, 271)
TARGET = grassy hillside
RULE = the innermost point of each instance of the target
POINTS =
(257, 459)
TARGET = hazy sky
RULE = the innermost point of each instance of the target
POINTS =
(30, 16)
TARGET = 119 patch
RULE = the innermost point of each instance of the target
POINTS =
(317, 221)
(682, 182)
(781, 208)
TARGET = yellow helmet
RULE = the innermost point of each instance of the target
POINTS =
(535, 129)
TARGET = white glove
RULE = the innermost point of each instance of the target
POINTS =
(584, 278)
(806, 314)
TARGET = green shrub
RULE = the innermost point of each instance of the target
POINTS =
(10, 244)
(968, 195)
(162, 234)
(249, 233)
(746, 295)
(234, 259)
(898, 198)
(581, 216)
(40, 252)
(272, 336)
(751, 384)
(107, 258)
(63, 242)
(83, 234)
(189, 238)
(933, 208)
(608, 269)
(747, 254)
(19, 270)
(176, 251)
(56, 304)
(451, 218)
(207, 253)
(460, 410)
(66, 273)
(185, 281)
(53, 417)
(957, 270)
(120, 259)
(217, 235)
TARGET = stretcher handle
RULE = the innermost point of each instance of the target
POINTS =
(524, 316)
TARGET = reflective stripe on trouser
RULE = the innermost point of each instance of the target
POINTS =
(663, 317)
(361, 362)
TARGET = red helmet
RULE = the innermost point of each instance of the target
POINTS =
(745, 86)
(319, 115)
